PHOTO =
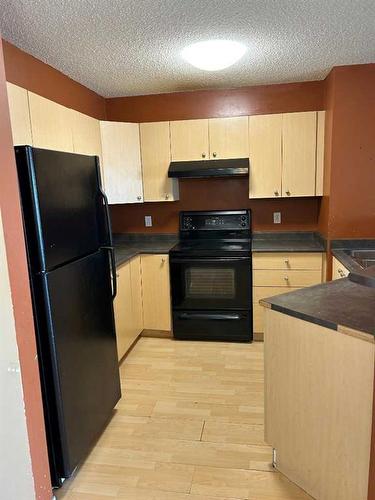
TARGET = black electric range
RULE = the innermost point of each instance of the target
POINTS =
(211, 277)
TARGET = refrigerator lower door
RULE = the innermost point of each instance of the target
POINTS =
(82, 383)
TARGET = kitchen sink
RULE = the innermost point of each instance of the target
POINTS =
(365, 258)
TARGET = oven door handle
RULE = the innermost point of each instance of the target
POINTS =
(214, 260)
(210, 316)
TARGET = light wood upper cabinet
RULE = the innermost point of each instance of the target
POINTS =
(265, 135)
(121, 162)
(189, 140)
(86, 137)
(320, 153)
(229, 137)
(86, 134)
(156, 292)
(156, 157)
(19, 115)
(299, 154)
(51, 124)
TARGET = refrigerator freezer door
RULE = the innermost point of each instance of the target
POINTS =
(82, 341)
(62, 205)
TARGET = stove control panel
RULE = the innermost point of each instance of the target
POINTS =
(218, 221)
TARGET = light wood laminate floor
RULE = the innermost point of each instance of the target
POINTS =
(188, 427)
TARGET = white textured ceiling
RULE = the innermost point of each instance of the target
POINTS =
(130, 47)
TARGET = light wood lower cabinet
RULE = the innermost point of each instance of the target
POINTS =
(275, 273)
(319, 386)
(19, 115)
(128, 305)
(156, 292)
(338, 270)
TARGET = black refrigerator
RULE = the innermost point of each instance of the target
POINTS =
(73, 284)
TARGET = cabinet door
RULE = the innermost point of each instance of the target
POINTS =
(229, 137)
(19, 115)
(156, 157)
(122, 162)
(123, 310)
(86, 136)
(299, 154)
(338, 270)
(189, 140)
(265, 132)
(51, 124)
(156, 292)
(320, 153)
(136, 292)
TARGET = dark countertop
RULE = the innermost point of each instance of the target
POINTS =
(130, 245)
(337, 305)
(286, 241)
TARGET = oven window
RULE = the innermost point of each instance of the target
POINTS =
(201, 282)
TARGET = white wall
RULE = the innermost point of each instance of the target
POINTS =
(16, 480)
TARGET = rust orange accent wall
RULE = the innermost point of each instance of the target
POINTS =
(262, 99)
(348, 205)
(351, 160)
(217, 194)
(32, 74)
(19, 281)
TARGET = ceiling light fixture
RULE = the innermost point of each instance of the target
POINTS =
(213, 55)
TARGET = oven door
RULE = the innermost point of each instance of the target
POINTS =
(201, 283)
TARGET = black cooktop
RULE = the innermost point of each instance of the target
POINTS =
(241, 248)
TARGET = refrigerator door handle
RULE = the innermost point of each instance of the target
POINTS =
(111, 251)
(107, 216)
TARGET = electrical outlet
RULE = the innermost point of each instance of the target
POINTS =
(277, 217)
(148, 220)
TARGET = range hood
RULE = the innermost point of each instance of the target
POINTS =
(209, 168)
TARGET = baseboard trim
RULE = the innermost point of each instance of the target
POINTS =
(157, 334)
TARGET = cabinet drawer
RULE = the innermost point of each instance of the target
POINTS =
(273, 260)
(258, 315)
(287, 278)
(262, 292)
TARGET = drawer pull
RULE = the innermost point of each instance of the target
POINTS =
(286, 279)
(341, 273)
(287, 262)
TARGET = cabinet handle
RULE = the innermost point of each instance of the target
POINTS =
(166, 196)
(163, 260)
(341, 273)
(214, 155)
(203, 155)
(287, 193)
(139, 198)
(276, 193)
(287, 262)
(286, 278)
